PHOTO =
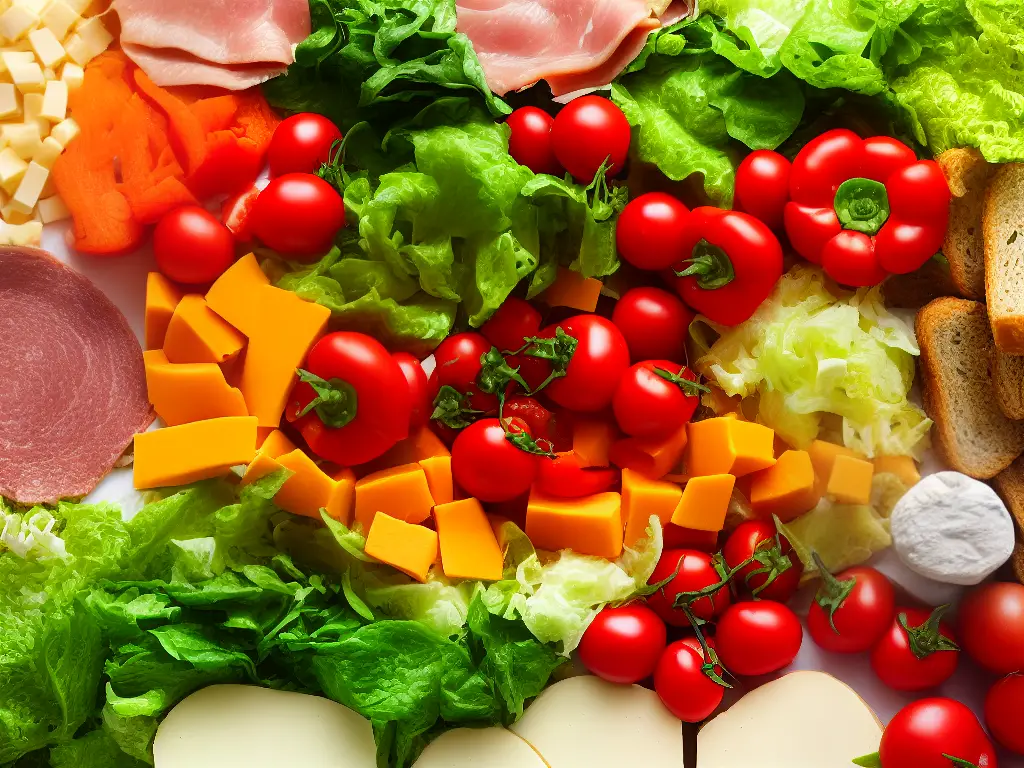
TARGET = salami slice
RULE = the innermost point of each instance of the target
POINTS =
(72, 381)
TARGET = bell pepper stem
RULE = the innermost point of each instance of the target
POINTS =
(862, 205)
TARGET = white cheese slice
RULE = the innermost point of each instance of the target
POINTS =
(585, 721)
(801, 720)
(59, 17)
(55, 101)
(47, 47)
(16, 21)
(8, 101)
(53, 209)
(239, 726)
(479, 748)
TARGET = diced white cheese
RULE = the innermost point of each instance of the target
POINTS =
(32, 6)
(47, 47)
(79, 6)
(13, 215)
(73, 75)
(48, 152)
(16, 21)
(12, 167)
(77, 50)
(32, 107)
(49, 189)
(10, 56)
(28, 77)
(27, 233)
(65, 131)
(53, 209)
(24, 138)
(55, 101)
(95, 35)
(8, 101)
(59, 17)
(30, 188)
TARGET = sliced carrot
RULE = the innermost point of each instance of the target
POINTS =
(150, 205)
(186, 134)
(216, 114)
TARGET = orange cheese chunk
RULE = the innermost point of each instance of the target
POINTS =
(729, 446)
(571, 289)
(704, 503)
(196, 334)
(850, 481)
(277, 444)
(161, 299)
(902, 466)
(643, 497)
(786, 490)
(591, 441)
(401, 492)
(823, 456)
(590, 526)
(410, 548)
(192, 452)
(423, 444)
(186, 392)
(232, 295)
(654, 458)
(438, 470)
(469, 548)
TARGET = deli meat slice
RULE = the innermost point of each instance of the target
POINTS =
(73, 389)
(173, 67)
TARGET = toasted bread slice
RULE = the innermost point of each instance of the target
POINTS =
(968, 175)
(973, 435)
(1010, 485)
(1008, 383)
(1003, 225)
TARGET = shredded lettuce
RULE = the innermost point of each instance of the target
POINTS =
(31, 535)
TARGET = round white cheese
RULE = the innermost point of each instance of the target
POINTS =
(952, 528)
(479, 748)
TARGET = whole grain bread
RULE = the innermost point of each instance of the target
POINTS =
(972, 434)
(1009, 485)
(968, 175)
(1003, 229)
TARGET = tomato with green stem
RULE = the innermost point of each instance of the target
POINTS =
(488, 466)
(851, 611)
(654, 323)
(772, 570)
(589, 356)
(918, 652)
(508, 329)
(587, 133)
(564, 476)
(469, 375)
(650, 231)
(301, 144)
(688, 571)
(757, 638)
(623, 644)
(656, 398)
(683, 685)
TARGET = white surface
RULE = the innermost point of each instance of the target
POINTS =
(479, 748)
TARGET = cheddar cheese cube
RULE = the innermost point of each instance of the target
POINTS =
(823, 456)
(729, 446)
(438, 470)
(310, 489)
(704, 503)
(653, 457)
(787, 489)
(642, 498)
(401, 492)
(192, 452)
(469, 548)
(571, 289)
(196, 334)
(591, 525)
(591, 440)
(850, 481)
(232, 294)
(161, 299)
(902, 466)
(182, 393)
(410, 548)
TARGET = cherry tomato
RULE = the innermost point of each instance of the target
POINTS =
(515, 321)
(593, 373)
(865, 604)
(419, 389)
(696, 572)
(623, 645)
(1003, 707)
(655, 324)
(685, 690)
(565, 477)
(487, 466)
(301, 144)
(655, 398)
(776, 570)
(587, 132)
(756, 638)
(530, 141)
(192, 247)
(236, 214)
(929, 732)
(457, 365)
(922, 658)
(298, 215)
(992, 627)
(537, 418)
(651, 232)
(762, 186)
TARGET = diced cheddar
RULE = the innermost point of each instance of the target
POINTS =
(422, 444)
(438, 470)
(232, 294)
(729, 446)
(469, 548)
(787, 489)
(55, 101)
(192, 452)
(654, 458)
(65, 131)
(401, 492)
(47, 47)
(53, 209)
(704, 503)
(161, 299)
(8, 101)
(590, 526)
(276, 444)
(571, 289)
(16, 21)
(643, 497)
(309, 489)
(410, 548)
(72, 75)
(823, 455)
(189, 392)
(197, 335)
(30, 188)
(850, 481)
(902, 466)
(591, 440)
(58, 17)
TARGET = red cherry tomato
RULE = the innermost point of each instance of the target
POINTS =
(298, 215)
(776, 570)
(655, 324)
(487, 466)
(650, 231)
(192, 247)
(623, 645)
(865, 603)
(587, 132)
(530, 141)
(515, 321)
(901, 668)
(565, 477)
(301, 144)
(762, 186)
(1003, 707)
(756, 638)
(696, 571)
(655, 398)
(538, 419)
(685, 690)
(457, 365)
(593, 373)
(991, 625)
(928, 732)
(419, 389)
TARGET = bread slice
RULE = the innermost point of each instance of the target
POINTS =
(1008, 383)
(915, 289)
(972, 434)
(1009, 485)
(968, 174)
(1003, 225)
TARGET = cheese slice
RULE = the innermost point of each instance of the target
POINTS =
(479, 748)
(195, 451)
(240, 726)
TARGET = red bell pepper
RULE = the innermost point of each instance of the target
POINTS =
(733, 262)
(565, 476)
(865, 208)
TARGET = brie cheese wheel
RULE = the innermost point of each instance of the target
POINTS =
(585, 721)
(241, 726)
(802, 720)
(479, 748)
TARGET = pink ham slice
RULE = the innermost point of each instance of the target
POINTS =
(74, 385)
(168, 67)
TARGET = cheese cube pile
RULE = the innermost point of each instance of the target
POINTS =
(44, 47)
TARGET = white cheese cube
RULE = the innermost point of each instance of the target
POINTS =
(10, 57)
(47, 47)
(33, 6)
(16, 21)
(65, 131)
(48, 152)
(26, 233)
(27, 195)
(12, 167)
(52, 209)
(77, 50)
(79, 6)
(55, 101)
(95, 35)
(59, 17)
(24, 138)
(49, 189)
(73, 75)
(32, 108)
(8, 101)
(28, 77)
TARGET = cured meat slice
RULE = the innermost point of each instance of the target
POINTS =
(168, 67)
(74, 385)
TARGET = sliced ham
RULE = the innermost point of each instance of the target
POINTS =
(168, 67)
(74, 386)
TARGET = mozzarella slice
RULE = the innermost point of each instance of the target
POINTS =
(802, 720)
(585, 721)
(479, 748)
(240, 726)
